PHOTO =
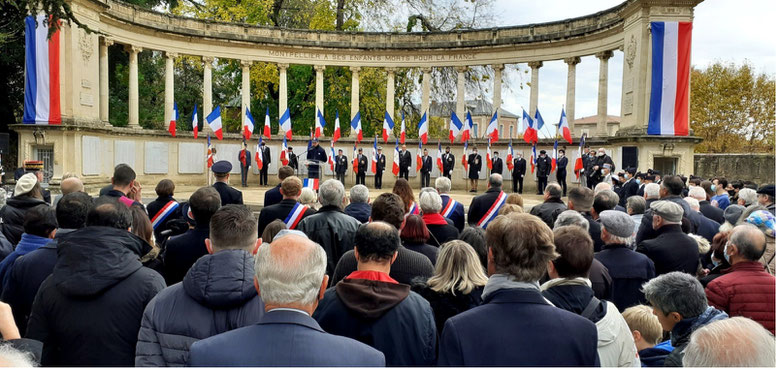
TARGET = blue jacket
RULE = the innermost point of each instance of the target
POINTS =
(360, 211)
(628, 271)
(27, 244)
(682, 333)
(708, 228)
(517, 327)
(282, 338)
(458, 216)
(656, 355)
(217, 295)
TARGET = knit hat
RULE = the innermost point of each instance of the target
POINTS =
(668, 210)
(617, 223)
(764, 220)
(25, 184)
(733, 212)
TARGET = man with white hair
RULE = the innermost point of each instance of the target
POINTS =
(451, 209)
(330, 227)
(483, 209)
(746, 197)
(708, 228)
(552, 204)
(651, 193)
(290, 278)
(359, 205)
(708, 210)
(672, 249)
(441, 229)
(732, 342)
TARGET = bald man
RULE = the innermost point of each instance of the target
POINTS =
(67, 186)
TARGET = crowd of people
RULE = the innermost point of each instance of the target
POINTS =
(647, 271)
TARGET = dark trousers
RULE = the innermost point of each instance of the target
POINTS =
(404, 173)
(425, 179)
(561, 178)
(591, 182)
(518, 180)
(341, 177)
(379, 179)
(244, 173)
(542, 182)
(360, 178)
(263, 176)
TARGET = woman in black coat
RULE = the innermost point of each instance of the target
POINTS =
(414, 236)
(27, 194)
(164, 190)
(458, 282)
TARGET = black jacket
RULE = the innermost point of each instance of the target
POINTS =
(278, 211)
(602, 283)
(549, 210)
(182, 251)
(341, 164)
(293, 162)
(380, 164)
(519, 167)
(474, 164)
(594, 231)
(88, 312)
(628, 271)
(405, 160)
(408, 266)
(361, 163)
(497, 165)
(446, 305)
(543, 166)
(448, 163)
(561, 166)
(360, 211)
(12, 216)
(155, 206)
(712, 212)
(423, 248)
(671, 251)
(228, 194)
(629, 189)
(646, 231)
(426, 164)
(266, 158)
(217, 295)
(386, 316)
(333, 230)
(273, 196)
(481, 204)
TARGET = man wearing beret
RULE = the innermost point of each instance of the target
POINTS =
(36, 168)
(766, 197)
(221, 172)
(672, 250)
(628, 269)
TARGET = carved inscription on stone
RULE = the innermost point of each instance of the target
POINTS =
(387, 58)
(229, 152)
(124, 152)
(156, 158)
(191, 158)
(628, 102)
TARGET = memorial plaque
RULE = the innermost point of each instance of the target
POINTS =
(229, 152)
(90, 157)
(124, 152)
(156, 158)
(191, 158)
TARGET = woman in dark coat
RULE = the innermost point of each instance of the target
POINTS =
(458, 282)
(27, 194)
(164, 190)
(414, 236)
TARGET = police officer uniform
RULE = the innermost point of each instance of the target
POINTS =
(228, 194)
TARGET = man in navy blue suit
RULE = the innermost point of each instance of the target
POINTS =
(515, 325)
(290, 280)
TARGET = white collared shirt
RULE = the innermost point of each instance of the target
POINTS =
(289, 309)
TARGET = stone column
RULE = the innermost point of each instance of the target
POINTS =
(132, 113)
(533, 91)
(354, 93)
(602, 93)
(245, 91)
(207, 91)
(570, 99)
(104, 93)
(497, 96)
(461, 93)
(319, 88)
(282, 89)
(425, 91)
(390, 91)
(169, 87)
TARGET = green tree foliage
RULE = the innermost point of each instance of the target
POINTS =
(733, 109)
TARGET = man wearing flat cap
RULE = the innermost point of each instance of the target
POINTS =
(672, 250)
(221, 173)
(628, 269)
(766, 197)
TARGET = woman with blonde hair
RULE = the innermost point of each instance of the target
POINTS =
(309, 198)
(457, 284)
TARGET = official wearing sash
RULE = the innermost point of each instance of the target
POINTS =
(288, 210)
(164, 208)
(484, 208)
(453, 211)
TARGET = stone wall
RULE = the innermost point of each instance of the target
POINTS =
(759, 168)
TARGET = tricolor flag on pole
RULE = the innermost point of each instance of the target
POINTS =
(285, 124)
(374, 161)
(284, 159)
(671, 46)
(509, 157)
(530, 133)
(336, 133)
(331, 159)
(266, 129)
(418, 157)
(173, 118)
(356, 126)
(402, 130)
(41, 73)
(214, 120)
(454, 127)
(242, 156)
(489, 154)
(194, 121)
(538, 121)
(579, 161)
(320, 123)
(564, 127)
(533, 158)
(258, 154)
(209, 153)
(355, 161)
(311, 184)
(440, 158)
(492, 132)
(423, 129)
(467, 131)
(464, 156)
(396, 161)
(248, 124)
(388, 126)
(553, 159)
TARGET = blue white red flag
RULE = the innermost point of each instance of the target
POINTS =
(336, 133)
(214, 120)
(564, 127)
(209, 153)
(388, 126)
(402, 130)
(356, 126)
(194, 121)
(467, 131)
(454, 127)
(266, 129)
(284, 159)
(258, 154)
(509, 157)
(554, 157)
(492, 132)
(248, 124)
(396, 161)
(423, 128)
(320, 123)
(538, 121)
(671, 46)
(173, 118)
(41, 82)
(530, 133)
(285, 124)
(311, 183)
(374, 161)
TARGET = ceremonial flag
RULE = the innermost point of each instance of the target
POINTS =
(533, 158)
(285, 124)
(374, 162)
(530, 134)
(284, 159)
(214, 120)
(454, 127)
(194, 121)
(418, 158)
(41, 77)
(388, 126)
(248, 125)
(402, 130)
(209, 153)
(331, 159)
(440, 158)
(671, 47)
(320, 123)
(258, 154)
(173, 118)
(489, 154)
(311, 184)
(266, 129)
(579, 161)
(423, 129)
(553, 159)
(464, 156)
(509, 158)
(492, 132)
(565, 128)
(356, 126)
(396, 161)
(242, 154)
(356, 160)
(467, 131)
(538, 121)
(336, 134)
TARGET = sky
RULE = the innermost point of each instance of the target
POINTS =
(724, 30)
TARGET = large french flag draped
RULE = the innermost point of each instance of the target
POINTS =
(355, 161)
(492, 132)
(214, 120)
(579, 161)
(464, 155)
(356, 126)
(454, 127)
(509, 157)
(670, 62)
(388, 126)
(320, 123)
(285, 123)
(258, 154)
(331, 159)
(489, 154)
(418, 157)
(440, 158)
(423, 128)
(282, 157)
(41, 69)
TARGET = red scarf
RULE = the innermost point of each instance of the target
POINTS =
(372, 275)
(434, 219)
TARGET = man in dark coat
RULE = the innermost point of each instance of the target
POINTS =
(183, 250)
(599, 162)
(13, 212)
(544, 169)
(316, 157)
(88, 312)
(288, 210)
(29, 271)
(405, 162)
(36, 168)
(286, 335)
(514, 311)
(671, 250)
(370, 306)
(708, 210)
(493, 199)
(561, 171)
(165, 208)
(592, 175)
(244, 158)
(379, 169)
(474, 169)
(361, 167)
(214, 298)
(628, 269)
(519, 170)
(330, 227)
(293, 162)
(581, 200)
(341, 166)
(228, 194)
(670, 190)
(440, 228)
(426, 168)
(359, 203)
(452, 210)
(265, 150)
(496, 163)
(630, 186)
(273, 196)
(448, 162)
(552, 205)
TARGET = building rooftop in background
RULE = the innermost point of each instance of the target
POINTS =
(477, 107)
(592, 120)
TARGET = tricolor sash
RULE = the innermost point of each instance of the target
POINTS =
(492, 212)
(163, 213)
(449, 208)
(294, 217)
